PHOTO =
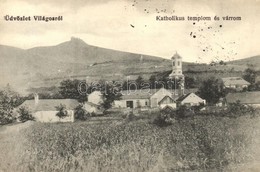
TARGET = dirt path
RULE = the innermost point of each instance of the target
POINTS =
(12, 146)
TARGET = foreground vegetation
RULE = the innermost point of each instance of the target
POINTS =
(200, 143)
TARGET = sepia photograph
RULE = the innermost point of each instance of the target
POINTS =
(129, 86)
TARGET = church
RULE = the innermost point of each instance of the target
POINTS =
(160, 98)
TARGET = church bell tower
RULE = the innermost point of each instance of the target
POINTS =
(176, 74)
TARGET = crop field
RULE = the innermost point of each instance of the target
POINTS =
(202, 143)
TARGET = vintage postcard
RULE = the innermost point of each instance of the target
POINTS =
(129, 85)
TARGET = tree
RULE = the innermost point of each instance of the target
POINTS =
(9, 99)
(111, 92)
(190, 82)
(222, 62)
(250, 75)
(24, 114)
(81, 113)
(139, 81)
(152, 81)
(184, 112)
(69, 89)
(62, 111)
(211, 90)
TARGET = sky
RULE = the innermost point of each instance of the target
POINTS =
(131, 25)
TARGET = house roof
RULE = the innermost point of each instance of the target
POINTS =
(92, 104)
(138, 94)
(244, 97)
(234, 81)
(96, 92)
(50, 104)
(147, 93)
(165, 98)
(180, 99)
(191, 90)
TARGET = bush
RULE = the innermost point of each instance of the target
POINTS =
(8, 101)
(184, 112)
(164, 118)
(93, 114)
(131, 116)
(62, 112)
(237, 109)
(81, 113)
(24, 114)
(232, 110)
(6, 119)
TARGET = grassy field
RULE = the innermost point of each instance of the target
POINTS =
(195, 144)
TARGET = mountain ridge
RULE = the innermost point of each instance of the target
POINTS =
(39, 66)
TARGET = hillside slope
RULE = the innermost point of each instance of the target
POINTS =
(72, 59)
(48, 65)
(250, 62)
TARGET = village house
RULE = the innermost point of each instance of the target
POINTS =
(44, 110)
(151, 98)
(236, 83)
(94, 103)
(190, 99)
(95, 97)
(246, 98)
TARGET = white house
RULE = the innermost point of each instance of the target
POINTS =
(145, 98)
(236, 83)
(162, 98)
(167, 101)
(95, 97)
(134, 99)
(190, 99)
(95, 100)
(44, 110)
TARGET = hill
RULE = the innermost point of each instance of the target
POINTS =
(46, 66)
(249, 62)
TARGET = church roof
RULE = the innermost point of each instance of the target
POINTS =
(176, 56)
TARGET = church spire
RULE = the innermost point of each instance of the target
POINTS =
(177, 75)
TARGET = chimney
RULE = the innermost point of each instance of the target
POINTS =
(36, 98)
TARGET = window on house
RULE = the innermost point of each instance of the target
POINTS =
(146, 103)
(173, 63)
(179, 63)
